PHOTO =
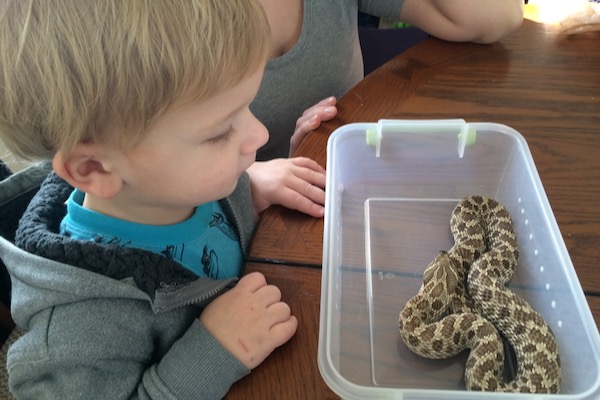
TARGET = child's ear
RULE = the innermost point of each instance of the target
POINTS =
(85, 169)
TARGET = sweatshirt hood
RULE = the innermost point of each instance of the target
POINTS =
(48, 269)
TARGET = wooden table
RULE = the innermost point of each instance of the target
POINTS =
(543, 84)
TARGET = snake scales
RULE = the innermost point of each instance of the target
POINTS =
(463, 303)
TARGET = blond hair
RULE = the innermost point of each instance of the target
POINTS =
(84, 71)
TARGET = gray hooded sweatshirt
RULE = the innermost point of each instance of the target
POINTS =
(102, 321)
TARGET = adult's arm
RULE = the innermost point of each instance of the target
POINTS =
(480, 21)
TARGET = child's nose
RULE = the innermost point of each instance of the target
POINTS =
(258, 135)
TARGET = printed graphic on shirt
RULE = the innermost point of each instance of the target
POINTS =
(210, 262)
(174, 252)
(218, 220)
(206, 243)
(210, 257)
(203, 255)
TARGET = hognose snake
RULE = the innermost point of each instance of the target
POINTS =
(463, 303)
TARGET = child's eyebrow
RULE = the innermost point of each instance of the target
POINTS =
(231, 113)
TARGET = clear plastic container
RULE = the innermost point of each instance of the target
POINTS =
(387, 216)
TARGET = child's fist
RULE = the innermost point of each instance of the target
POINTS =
(250, 320)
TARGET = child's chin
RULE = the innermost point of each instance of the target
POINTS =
(233, 184)
(231, 188)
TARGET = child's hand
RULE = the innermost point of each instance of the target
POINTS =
(311, 119)
(296, 183)
(250, 320)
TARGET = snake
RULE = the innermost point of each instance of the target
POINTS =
(463, 303)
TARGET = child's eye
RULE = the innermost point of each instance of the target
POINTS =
(224, 137)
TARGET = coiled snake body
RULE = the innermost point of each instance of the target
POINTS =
(463, 303)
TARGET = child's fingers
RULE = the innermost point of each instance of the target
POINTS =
(268, 296)
(279, 312)
(308, 201)
(252, 282)
(315, 179)
(283, 331)
(306, 162)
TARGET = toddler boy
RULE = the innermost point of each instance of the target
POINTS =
(142, 107)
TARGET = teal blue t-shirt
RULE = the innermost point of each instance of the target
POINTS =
(206, 243)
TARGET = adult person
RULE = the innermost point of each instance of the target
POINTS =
(315, 53)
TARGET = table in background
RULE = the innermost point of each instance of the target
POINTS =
(543, 84)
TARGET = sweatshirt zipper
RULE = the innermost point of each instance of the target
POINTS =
(198, 292)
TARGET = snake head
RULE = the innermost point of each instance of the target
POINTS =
(442, 269)
(438, 263)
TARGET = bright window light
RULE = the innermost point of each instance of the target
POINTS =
(553, 11)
